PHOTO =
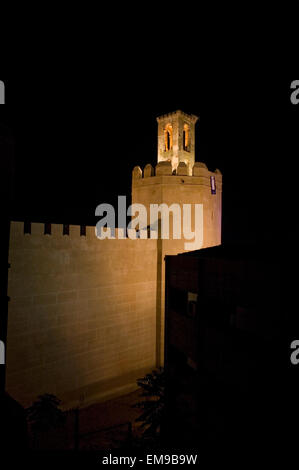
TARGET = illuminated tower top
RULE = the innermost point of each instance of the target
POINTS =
(176, 139)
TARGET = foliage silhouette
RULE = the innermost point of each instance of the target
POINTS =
(153, 389)
(45, 414)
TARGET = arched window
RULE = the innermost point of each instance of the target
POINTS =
(168, 137)
(186, 138)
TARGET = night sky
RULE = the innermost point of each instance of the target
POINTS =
(81, 113)
(77, 139)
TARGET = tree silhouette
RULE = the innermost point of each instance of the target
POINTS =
(153, 387)
(45, 414)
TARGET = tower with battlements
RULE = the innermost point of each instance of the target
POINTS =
(178, 179)
(86, 316)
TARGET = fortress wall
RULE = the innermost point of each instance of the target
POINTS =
(82, 314)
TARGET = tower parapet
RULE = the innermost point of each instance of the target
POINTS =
(164, 186)
(200, 174)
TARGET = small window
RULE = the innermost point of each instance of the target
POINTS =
(83, 230)
(168, 137)
(186, 138)
(213, 185)
(66, 229)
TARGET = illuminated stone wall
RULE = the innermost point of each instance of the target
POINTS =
(82, 314)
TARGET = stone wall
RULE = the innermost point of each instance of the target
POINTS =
(82, 314)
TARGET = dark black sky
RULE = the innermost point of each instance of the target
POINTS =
(78, 137)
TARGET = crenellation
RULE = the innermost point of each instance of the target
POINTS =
(57, 230)
(90, 233)
(137, 172)
(182, 169)
(199, 173)
(16, 228)
(37, 229)
(74, 231)
(163, 168)
(148, 170)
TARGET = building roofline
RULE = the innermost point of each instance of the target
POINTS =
(178, 111)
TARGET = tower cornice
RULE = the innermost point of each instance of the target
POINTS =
(190, 117)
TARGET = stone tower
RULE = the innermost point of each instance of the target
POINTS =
(176, 139)
(97, 306)
(178, 179)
